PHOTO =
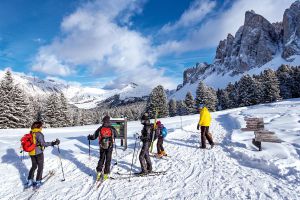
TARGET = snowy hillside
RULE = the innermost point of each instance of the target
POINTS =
(221, 80)
(233, 169)
(82, 97)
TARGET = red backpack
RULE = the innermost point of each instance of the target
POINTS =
(104, 137)
(27, 142)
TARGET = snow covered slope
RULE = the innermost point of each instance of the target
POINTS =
(82, 97)
(221, 80)
(234, 169)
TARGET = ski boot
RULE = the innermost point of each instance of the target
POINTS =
(163, 153)
(38, 184)
(105, 177)
(29, 183)
(99, 176)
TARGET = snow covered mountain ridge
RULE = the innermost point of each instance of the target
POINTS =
(257, 45)
(82, 97)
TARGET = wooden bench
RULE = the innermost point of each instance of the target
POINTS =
(261, 135)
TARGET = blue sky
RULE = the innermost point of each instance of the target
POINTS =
(111, 43)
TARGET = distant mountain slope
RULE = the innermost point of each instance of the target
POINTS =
(82, 97)
(257, 45)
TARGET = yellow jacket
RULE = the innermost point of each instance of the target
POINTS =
(205, 117)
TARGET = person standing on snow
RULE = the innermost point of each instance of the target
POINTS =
(106, 135)
(204, 123)
(160, 139)
(146, 138)
(37, 155)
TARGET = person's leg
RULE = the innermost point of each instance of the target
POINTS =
(203, 141)
(40, 163)
(147, 158)
(33, 167)
(101, 160)
(159, 143)
(208, 137)
(142, 158)
(108, 153)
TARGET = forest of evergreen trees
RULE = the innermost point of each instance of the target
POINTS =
(19, 110)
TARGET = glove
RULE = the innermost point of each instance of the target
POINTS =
(89, 137)
(198, 127)
(55, 142)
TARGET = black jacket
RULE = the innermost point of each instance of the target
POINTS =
(147, 133)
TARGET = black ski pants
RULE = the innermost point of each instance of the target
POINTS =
(105, 159)
(144, 158)
(37, 161)
(160, 141)
(204, 136)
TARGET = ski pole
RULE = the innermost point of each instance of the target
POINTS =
(62, 169)
(139, 148)
(89, 149)
(116, 154)
(132, 159)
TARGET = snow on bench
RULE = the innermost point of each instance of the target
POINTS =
(261, 135)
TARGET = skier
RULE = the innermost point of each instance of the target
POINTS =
(160, 139)
(146, 138)
(204, 123)
(37, 155)
(106, 134)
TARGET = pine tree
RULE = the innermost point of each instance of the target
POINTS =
(296, 82)
(270, 86)
(190, 103)
(223, 99)
(232, 95)
(23, 110)
(285, 78)
(172, 108)
(247, 90)
(15, 111)
(6, 105)
(181, 108)
(207, 96)
(64, 119)
(157, 101)
(52, 112)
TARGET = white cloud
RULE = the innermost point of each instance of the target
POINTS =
(49, 64)
(192, 16)
(228, 21)
(92, 37)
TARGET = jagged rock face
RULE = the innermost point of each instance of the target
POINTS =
(254, 44)
(191, 75)
(291, 31)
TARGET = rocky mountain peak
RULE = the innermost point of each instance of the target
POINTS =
(291, 31)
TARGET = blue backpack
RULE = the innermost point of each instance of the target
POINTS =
(164, 132)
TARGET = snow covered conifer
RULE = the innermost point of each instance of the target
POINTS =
(247, 91)
(207, 96)
(285, 78)
(52, 112)
(157, 100)
(172, 108)
(190, 103)
(64, 119)
(223, 99)
(232, 95)
(270, 85)
(181, 108)
(296, 82)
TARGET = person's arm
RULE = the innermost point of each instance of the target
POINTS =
(95, 135)
(114, 134)
(41, 141)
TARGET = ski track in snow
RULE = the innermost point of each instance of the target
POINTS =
(192, 173)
